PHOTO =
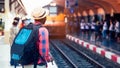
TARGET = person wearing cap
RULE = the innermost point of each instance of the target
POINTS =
(39, 15)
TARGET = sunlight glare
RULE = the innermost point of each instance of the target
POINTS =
(31, 4)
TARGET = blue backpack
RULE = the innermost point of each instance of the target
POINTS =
(24, 50)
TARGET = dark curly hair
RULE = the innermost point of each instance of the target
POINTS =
(17, 19)
(15, 23)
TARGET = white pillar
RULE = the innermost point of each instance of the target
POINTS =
(7, 18)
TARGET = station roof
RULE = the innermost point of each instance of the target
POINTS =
(107, 5)
(84, 5)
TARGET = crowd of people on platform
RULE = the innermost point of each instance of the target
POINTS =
(94, 29)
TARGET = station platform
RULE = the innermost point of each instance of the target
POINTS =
(103, 50)
(5, 56)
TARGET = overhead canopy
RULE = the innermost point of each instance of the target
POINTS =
(83, 5)
(107, 5)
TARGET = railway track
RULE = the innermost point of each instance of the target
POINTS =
(61, 61)
(73, 58)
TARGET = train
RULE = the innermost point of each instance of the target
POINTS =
(55, 22)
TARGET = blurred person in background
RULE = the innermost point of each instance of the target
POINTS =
(93, 31)
(112, 31)
(13, 32)
(117, 29)
(82, 28)
(26, 21)
(22, 24)
(104, 30)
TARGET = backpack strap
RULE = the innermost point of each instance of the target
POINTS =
(36, 31)
(37, 56)
(36, 27)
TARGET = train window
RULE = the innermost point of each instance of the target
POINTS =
(71, 10)
(53, 10)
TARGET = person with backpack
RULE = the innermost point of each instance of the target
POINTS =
(31, 45)
(40, 16)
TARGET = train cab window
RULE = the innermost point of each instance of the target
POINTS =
(53, 10)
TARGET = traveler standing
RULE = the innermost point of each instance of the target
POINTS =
(112, 31)
(82, 28)
(117, 29)
(97, 31)
(25, 22)
(39, 15)
(93, 31)
(104, 30)
(13, 32)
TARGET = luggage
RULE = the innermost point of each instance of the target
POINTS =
(24, 50)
